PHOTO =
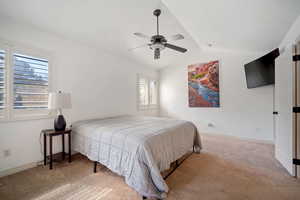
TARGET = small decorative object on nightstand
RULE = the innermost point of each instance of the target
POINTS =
(58, 101)
(51, 133)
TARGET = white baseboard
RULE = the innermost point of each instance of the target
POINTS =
(24, 167)
(241, 138)
(18, 169)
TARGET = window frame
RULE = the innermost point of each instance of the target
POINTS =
(149, 106)
(6, 76)
(11, 114)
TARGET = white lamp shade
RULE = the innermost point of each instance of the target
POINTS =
(59, 100)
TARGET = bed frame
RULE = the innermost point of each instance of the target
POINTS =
(177, 164)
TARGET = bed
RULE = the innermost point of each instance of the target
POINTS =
(137, 148)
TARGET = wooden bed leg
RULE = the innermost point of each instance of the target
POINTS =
(95, 166)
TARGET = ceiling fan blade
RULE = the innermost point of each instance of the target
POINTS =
(176, 37)
(156, 53)
(176, 48)
(142, 35)
(141, 46)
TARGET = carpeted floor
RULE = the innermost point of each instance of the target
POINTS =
(227, 169)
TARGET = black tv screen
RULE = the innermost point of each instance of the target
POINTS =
(261, 71)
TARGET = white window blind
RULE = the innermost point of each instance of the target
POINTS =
(143, 91)
(153, 87)
(24, 83)
(2, 83)
(30, 83)
(147, 89)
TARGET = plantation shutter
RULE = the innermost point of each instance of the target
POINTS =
(143, 92)
(30, 83)
(2, 84)
(153, 93)
(147, 93)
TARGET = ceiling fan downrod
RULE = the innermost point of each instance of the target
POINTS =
(157, 13)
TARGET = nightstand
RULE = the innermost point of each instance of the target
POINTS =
(52, 133)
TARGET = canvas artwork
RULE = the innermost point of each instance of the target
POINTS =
(203, 82)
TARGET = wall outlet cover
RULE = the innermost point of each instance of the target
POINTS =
(210, 125)
(6, 153)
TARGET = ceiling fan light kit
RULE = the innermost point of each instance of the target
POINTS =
(159, 42)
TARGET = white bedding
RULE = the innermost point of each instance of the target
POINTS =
(138, 148)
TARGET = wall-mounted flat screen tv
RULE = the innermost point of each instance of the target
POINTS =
(261, 71)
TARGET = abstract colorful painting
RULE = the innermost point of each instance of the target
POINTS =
(203, 82)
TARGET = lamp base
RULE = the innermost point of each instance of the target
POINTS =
(60, 123)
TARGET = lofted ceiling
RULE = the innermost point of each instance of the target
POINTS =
(242, 25)
(256, 25)
(108, 25)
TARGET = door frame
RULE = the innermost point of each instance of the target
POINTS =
(296, 115)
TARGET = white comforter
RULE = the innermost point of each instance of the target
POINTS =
(138, 148)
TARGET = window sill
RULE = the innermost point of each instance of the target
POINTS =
(27, 118)
(148, 108)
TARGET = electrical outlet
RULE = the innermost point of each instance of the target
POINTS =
(6, 153)
(210, 125)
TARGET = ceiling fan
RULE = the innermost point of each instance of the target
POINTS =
(159, 42)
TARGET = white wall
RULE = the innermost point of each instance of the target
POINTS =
(292, 35)
(243, 112)
(101, 85)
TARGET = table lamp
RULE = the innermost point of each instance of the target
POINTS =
(59, 101)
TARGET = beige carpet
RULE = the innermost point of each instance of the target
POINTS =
(227, 168)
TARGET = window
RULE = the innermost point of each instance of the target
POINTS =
(153, 92)
(30, 82)
(24, 84)
(2, 84)
(147, 93)
(143, 92)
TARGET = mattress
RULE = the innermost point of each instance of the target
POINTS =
(137, 148)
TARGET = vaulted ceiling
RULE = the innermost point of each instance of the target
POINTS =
(256, 25)
(249, 25)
